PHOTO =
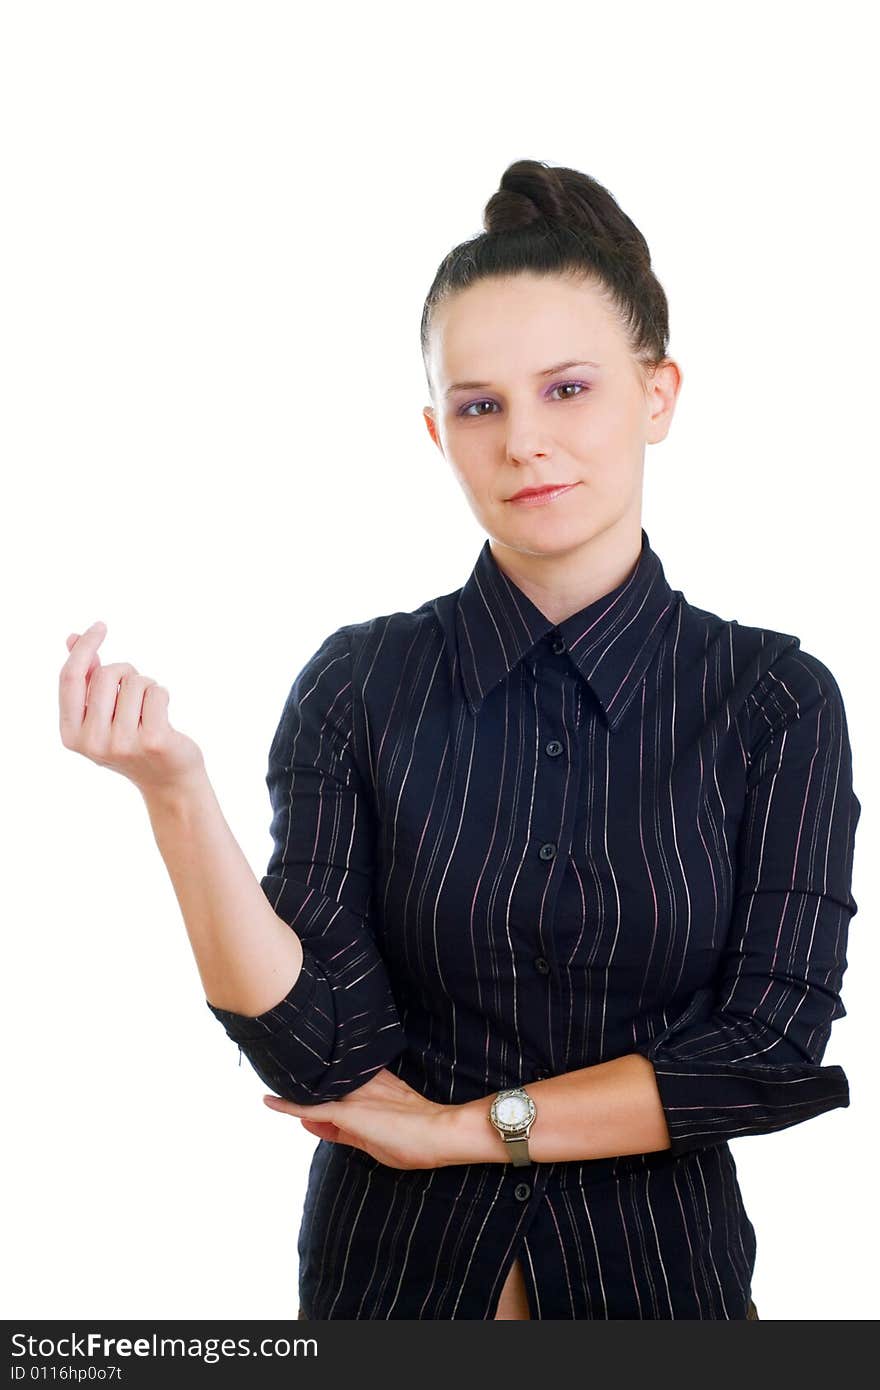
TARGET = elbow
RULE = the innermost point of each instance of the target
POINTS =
(316, 1053)
(337, 1078)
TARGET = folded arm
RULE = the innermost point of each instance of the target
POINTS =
(339, 1024)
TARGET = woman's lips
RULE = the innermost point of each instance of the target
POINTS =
(542, 497)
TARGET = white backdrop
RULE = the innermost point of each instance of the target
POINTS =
(221, 221)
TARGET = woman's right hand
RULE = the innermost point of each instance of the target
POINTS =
(119, 718)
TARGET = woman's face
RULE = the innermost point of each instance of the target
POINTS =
(505, 422)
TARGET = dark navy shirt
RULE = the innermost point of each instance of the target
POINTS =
(513, 848)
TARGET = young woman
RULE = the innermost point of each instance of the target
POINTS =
(561, 880)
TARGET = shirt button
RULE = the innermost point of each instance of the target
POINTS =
(522, 1192)
(558, 646)
(547, 851)
(542, 965)
(554, 748)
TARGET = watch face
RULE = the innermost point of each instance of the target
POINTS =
(513, 1110)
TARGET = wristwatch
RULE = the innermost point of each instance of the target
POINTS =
(512, 1113)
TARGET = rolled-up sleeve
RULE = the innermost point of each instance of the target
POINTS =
(744, 1057)
(339, 1023)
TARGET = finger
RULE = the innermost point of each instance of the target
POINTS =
(130, 703)
(322, 1129)
(324, 1110)
(73, 680)
(276, 1103)
(154, 710)
(102, 691)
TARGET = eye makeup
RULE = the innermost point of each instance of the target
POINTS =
(559, 385)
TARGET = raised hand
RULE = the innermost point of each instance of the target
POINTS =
(119, 718)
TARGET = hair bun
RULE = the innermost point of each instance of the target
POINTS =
(534, 192)
(529, 192)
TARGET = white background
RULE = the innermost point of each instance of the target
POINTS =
(221, 222)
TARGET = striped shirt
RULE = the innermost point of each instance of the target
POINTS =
(513, 848)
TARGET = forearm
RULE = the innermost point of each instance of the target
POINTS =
(247, 956)
(601, 1111)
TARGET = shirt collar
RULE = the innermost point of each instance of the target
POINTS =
(611, 641)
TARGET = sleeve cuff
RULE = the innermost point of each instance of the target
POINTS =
(282, 1016)
(710, 1102)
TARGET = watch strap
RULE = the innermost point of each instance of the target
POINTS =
(519, 1151)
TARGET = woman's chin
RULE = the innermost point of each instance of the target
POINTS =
(544, 533)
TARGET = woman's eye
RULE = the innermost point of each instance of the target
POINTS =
(474, 412)
(563, 384)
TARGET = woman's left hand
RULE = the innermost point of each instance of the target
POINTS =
(385, 1118)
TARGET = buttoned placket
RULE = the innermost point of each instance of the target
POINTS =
(556, 798)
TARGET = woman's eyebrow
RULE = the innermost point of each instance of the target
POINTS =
(546, 371)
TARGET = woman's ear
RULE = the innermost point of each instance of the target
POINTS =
(428, 414)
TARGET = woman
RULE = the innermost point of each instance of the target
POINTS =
(558, 833)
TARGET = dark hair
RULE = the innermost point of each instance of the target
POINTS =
(557, 221)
